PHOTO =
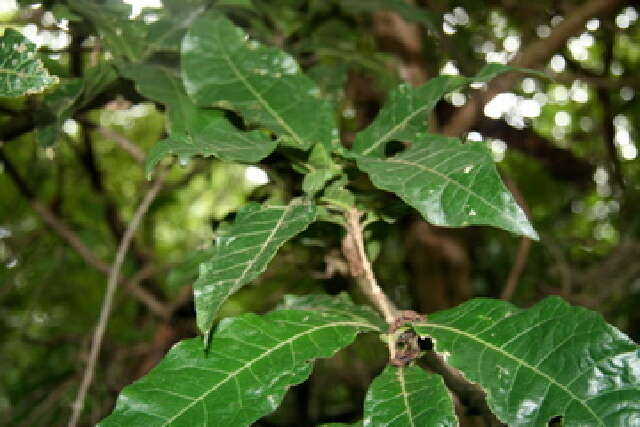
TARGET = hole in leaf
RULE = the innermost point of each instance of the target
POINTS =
(556, 421)
(425, 344)
(394, 147)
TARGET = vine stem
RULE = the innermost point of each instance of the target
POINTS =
(360, 266)
(107, 304)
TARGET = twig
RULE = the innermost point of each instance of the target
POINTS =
(533, 55)
(112, 283)
(353, 248)
(66, 233)
(516, 270)
(132, 149)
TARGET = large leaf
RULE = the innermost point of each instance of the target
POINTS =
(20, 71)
(449, 183)
(172, 23)
(407, 107)
(252, 362)
(550, 360)
(222, 67)
(408, 396)
(194, 131)
(244, 251)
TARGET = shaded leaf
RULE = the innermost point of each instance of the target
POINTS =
(173, 20)
(252, 362)
(408, 396)
(550, 360)
(123, 36)
(449, 183)
(321, 169)
(222, 67)
(57, 106)
(194, 131)
(244, 251)
(20, 71)
(406, 10)
(406, 109)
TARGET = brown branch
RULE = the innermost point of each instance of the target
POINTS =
(107, 304)
(516, 270)
(59, 227)
(360, 267)
(532, 56)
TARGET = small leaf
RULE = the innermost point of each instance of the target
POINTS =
(550, 360)
(222, 67)
(244, 252)
(322, 169)
(451, 184)
(337, 195)
(21, 72)
(406, 10)
(408, 396)
(405, 112)
(57, 106)
(252, 362)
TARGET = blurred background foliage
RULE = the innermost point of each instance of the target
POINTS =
(566, 146)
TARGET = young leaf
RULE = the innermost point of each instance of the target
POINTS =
(550, 360)
(222, 67)
(252, 362)
(407, 107)
(20, 71)
(244, 252)
(408, 396)
(194, 131)
(322, 169)
(449, 183)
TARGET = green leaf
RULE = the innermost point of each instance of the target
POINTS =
(322, 169)
(222, 67)
(174, 19)
(193, 131)
(550, 360)
(337, 195)
(21, 72)
(123, 36)
(407, 107)
(96, 80)
(451, 184)
(244, 252)
(252, 362)
(57, 106)
(335, 304)
(406, 10)
(408, 396)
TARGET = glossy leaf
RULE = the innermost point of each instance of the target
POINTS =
(20, 71)
(243, 252)
(194, 131)
(408, 396)
(449, 183)
(407, 108)
(550, 360)
(252, 362)
(222, 67)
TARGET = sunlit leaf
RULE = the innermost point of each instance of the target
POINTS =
(407, 108)
(449, 183)
(194, 131)
(222, 67)
(20, 71)
(550, 360)
(252, 362)
(244, 251)
(408, 396)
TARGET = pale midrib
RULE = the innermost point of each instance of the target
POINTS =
(250, 363)
(394, 129)
(523, 363)
(405, 397)
(456, 183)
(255, 93)
(19, 73)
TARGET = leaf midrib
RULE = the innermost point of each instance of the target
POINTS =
(250, 363)
(405, 396)
(522, 363)
(456, 183)
(256, 94)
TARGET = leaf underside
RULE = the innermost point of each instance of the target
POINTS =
(449, 183)
(20, 71)
(408, 396)
(252, 362)
(550, 360)
(222, 67)
(244, 252)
